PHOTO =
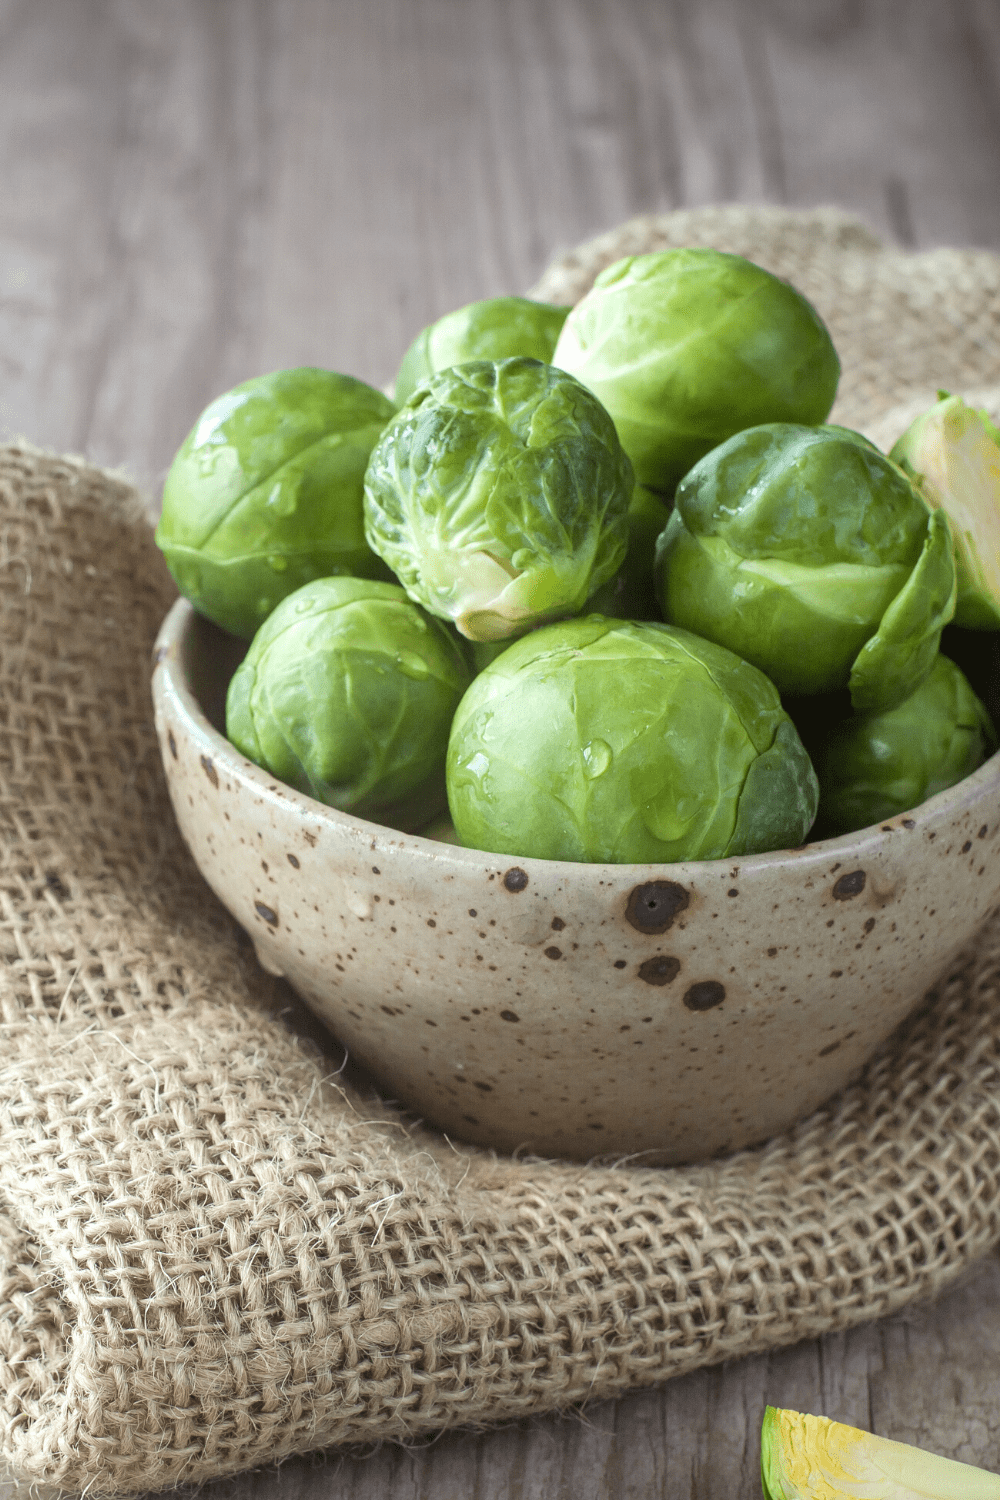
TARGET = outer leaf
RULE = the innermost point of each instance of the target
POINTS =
(901, 654)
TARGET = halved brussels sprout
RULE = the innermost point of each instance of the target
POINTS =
(614, 741)
(266, 492)
(498, 494)
(952, 454)
(497, 328)
(687, 347)
(347, 694)
(808, 553)
(876, 766)
(813, 1458)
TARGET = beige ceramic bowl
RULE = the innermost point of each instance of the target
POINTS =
(570, 1009)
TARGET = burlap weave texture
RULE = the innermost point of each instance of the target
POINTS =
(212, 1255)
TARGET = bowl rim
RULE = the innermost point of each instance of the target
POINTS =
(170, 684)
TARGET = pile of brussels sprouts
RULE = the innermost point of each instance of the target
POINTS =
(600, 580)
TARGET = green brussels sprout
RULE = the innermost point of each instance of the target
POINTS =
(876, 766)
(497, 495)
(624, 742)
(803, 1457)
(687, 347)
(347, 694)
(631, 594)
(498, 328)
(807, 552)
(266, 493)
(952, 454)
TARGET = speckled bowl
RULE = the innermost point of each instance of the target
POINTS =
(569, 1009)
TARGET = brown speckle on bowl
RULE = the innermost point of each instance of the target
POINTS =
(663, 969)
(268, 913)
(652, 906)
(553, 953)
(704, 995)
(515, 879)
(849, 886)
(208, 766)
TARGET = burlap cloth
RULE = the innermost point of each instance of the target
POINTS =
(212, 1255)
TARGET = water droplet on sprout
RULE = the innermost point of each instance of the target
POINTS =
(412, 665)
(597, 757)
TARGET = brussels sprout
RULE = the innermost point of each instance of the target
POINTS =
(631, 594)
(621, 742)
(347, 694)
(952, 454)
(808, 553)
(877, 766)
(686, 347)
(499, 328)
(812, 1458)
(498, 494)
(266, 493)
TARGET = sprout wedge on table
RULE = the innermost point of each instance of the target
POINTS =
(813, 1458)
(497, 328)
(347, 694)
(265, 493)
(621, 742)
(806, 551)
(498, 494)
(952, 454)
(686, 347)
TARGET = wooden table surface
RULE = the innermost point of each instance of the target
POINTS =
(195, 191)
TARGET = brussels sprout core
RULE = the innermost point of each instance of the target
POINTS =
(613, 741)
(808, 553)
(812, 1458)
(347, 694)
(498, 495)
(687, 347)
(952, 454)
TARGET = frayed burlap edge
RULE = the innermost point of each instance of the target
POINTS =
(212, 1255)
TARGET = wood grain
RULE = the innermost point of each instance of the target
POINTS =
(199, 190)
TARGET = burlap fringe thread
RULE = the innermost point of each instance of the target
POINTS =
(210, 1257)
